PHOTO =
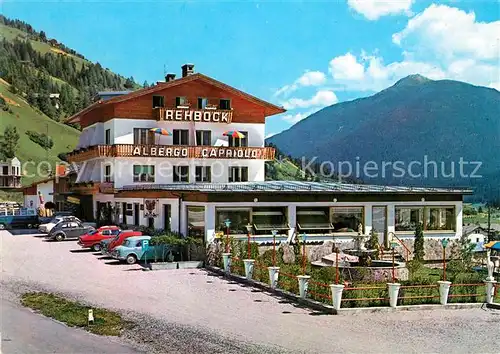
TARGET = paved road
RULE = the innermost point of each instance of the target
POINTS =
(23, 331)
(195, 300)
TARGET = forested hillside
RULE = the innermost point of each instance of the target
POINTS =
(50, 76)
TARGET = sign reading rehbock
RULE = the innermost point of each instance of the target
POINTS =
(187, 115)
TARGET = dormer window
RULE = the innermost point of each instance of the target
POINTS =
(225, 104)
(202, 102)
(181, 102)
(158, 101)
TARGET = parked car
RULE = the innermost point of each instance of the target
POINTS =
(109, 244)
(45, 228)
(93, 238)
(132, 250)
(66, 230)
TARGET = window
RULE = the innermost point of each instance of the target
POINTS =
(346, 219)
(225, 104)
(477, 239)
(203, 174)
(5, 170)
(181, 173)
(144, 173)
(203, 137)
(180, 101)
(181, 137)
(265, 220)
(107, 137)
(196, 221)
(239, 142)
(239, 217)
(202, 102)
(107, 174)
(407, 218)
(13, 170)
(238, 174)
(314, 220)
(158, 101)
(143, 136)
(440, 218)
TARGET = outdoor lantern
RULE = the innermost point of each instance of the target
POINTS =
(274, 232)
(249, 228)
(444, 242)
(227, 222)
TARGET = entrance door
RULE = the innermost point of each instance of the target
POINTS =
(136, 214)
(196, 222)
(379, 223)
(124, 213)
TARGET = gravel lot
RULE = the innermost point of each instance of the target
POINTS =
(191, 311)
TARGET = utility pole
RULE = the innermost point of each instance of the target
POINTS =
(489, 222)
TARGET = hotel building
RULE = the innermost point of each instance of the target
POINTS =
(206, 164)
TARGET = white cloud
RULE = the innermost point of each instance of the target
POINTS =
(321, 98)
(346, 67)
(297, 117)
(309, 78)
(447, 32)
(374, 9)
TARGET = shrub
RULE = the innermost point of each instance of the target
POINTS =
(41, 139)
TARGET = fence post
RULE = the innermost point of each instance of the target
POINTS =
(490, 290)
(249, 266)
(337, 290)
(303, 285)
(226, 258)
(273, 276)
(444, 290)
(393, 294)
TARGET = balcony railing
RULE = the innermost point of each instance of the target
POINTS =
(10, 182)
(172, 151)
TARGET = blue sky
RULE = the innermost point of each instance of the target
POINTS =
(302, 55)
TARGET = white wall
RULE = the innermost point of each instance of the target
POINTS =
(122, 130)
(47, 190)
(475, 237)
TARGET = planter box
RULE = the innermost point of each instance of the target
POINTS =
(163, 265)
(190, 264)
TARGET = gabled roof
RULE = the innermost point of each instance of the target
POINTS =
(271, 108)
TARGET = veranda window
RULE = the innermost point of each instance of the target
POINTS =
(346, 219)
(239, 217)
(440, 218)
(267, 219)
(314, 220)
(407, 218)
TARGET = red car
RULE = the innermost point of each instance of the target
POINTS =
(108, 245)
(93, 239)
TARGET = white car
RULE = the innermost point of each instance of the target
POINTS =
(45, 228)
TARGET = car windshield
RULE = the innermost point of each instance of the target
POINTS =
(56, 220)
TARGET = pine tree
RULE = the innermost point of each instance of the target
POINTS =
(9, 142)
(145, 84)
(418, 247)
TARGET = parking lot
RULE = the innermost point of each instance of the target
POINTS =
(200, 300)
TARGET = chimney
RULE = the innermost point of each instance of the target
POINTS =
(169, 77)
(187, 69)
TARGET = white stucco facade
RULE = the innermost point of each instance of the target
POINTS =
(46, 189)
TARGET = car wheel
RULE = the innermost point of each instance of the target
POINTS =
(2, 226)
(131, 259)
(96, 247)
(59, 237)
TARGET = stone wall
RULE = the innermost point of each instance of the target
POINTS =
(433, 250)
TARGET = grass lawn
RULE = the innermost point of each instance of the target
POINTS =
(25, 118)
(11, 197)
(74, 314)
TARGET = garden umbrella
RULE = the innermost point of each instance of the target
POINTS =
(160, 131)
(234, 134)
(494, 245)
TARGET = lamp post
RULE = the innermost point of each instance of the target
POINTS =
(249, 230)
(227, 222)
(304, 237)
(444, 243)
(274, 232)
(393, 266)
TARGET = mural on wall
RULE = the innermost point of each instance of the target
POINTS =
(151, 208)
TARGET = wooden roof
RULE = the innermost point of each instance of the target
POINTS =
(270, 108)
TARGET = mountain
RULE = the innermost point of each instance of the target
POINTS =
(417, 121)
(42, 81)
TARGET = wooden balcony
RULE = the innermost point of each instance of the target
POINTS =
(10, 182)
(173, 151)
